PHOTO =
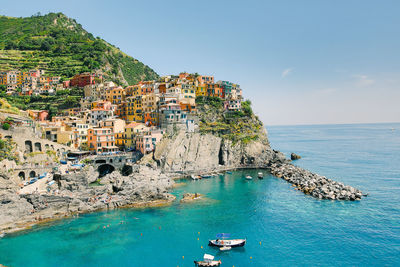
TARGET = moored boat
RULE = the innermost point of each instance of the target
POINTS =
(260, 175)
(225, 248)
(208, 260)
(229, 172)
(227, 243)
(248, 177)
(206, 176)
(195, 177)
(222, 242)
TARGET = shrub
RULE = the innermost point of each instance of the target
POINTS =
(6, 126)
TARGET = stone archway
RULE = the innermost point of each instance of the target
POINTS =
(21, 175)
(28, 146)
(105, 169)
(38, 147)
(32, 174)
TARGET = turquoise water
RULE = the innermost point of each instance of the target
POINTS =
(294, 229)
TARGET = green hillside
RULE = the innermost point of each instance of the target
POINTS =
(60, 46)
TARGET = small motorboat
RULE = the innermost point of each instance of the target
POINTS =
(248, 177)
(206, 176)
(208, 260)
(225, 248)
(222, 242)
(228, 172)
(260, 175)
(195, 177)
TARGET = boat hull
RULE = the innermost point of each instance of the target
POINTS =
(227, 243)
(207, 263)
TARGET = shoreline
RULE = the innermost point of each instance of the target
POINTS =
(26, 226)
(309, 183)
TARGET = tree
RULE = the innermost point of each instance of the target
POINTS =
(45, 46)
(6, 126)
(246, 107)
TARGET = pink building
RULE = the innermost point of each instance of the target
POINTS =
(146, 143)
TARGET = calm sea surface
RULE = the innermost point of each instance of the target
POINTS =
(283, 227)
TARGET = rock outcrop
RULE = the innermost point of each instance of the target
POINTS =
(294, 156)
(195, 152)
(74, 194)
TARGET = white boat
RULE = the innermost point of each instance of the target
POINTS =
(260, 175)
(195, 177)
(208, 260)
(248, 177)
(225, 248)
(221, 241)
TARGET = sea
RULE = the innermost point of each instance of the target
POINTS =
(283, 227)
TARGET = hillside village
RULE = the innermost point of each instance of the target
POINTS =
(112, 118)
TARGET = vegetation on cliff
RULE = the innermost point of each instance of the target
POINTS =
(60, 46)
(238, 126)
(63, 99)
(6, 107)
(7, 150)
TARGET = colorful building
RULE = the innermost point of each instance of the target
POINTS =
(147, 143)
(101, 140)
(131, 132)
(116, 95)
(83, 79)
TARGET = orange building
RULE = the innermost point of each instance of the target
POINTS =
(214, 90)
(101, 140)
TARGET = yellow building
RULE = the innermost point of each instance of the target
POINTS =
(133, 109)
(201, 90)
(116, 95)
(120, 139)
(131, 132)
(130, 108)
(138, 117)
(188, 91)
(149, 102)
(3, 78)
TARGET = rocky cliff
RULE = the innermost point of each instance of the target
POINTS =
(225, 140)
(196, 152)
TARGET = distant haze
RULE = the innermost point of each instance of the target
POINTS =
(300, 62)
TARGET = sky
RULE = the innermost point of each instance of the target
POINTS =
(299, 62)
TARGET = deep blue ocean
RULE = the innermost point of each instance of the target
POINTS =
(283, 226)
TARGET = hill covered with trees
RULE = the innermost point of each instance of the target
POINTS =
(60, 46)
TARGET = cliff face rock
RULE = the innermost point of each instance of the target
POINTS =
(194, 152)
(188, 152)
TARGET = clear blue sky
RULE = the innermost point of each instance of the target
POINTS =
(299, 62)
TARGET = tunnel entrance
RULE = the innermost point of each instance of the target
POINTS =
(32, 174)
(105, 169)
(21, 175)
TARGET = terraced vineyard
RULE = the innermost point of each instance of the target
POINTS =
(56, 65)
(60, 46)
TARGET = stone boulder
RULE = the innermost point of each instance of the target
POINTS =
(294, 156)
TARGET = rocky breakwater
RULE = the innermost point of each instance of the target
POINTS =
(76, 193)
(313, 184)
